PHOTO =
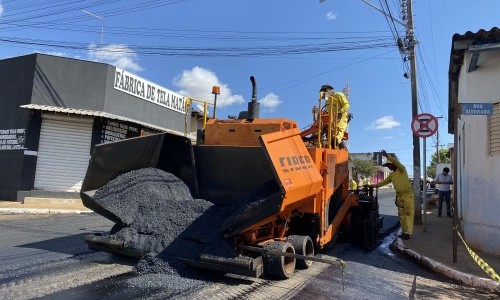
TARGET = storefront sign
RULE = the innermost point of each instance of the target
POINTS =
(12, 139)
(115, 131)
(141, 88)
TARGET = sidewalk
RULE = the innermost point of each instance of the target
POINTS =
(43, 206)
(434, 249)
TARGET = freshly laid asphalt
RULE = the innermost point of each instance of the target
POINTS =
(432, 248)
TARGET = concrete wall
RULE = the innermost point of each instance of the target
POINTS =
(18, 127)
(479, 188)
(67, 82)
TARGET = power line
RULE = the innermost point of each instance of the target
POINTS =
(252, 51)
(308, 78)
(429, 80)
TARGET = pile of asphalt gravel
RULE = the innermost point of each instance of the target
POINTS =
(158, 215)
(164, 281)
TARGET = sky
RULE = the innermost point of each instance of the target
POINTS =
(291, 47)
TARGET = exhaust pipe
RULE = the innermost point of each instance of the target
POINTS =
(253, 106)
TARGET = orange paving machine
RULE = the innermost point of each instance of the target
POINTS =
(299, 181)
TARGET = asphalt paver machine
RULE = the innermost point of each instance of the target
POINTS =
(291, 187)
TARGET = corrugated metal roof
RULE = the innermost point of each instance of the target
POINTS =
(461, 42)
(480, 34)
(95, 113)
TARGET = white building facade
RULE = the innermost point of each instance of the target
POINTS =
(474, 119)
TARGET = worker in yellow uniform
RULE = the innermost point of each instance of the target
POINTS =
(353, 185)
(404, 193)
(337, 102)
(362, 181)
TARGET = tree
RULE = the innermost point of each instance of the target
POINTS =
(363, 167)
(444, 157)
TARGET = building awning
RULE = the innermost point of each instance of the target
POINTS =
(96, 113)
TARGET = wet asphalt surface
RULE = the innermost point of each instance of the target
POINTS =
(46, 257)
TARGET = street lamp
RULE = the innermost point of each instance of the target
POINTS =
(102, 28)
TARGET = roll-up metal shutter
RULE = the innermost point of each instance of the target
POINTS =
(63, 153)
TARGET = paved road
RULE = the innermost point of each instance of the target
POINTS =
(45, 256)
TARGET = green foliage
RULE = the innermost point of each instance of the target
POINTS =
(363, 167)
(444, 156)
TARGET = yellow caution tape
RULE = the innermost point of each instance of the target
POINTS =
(486, 268)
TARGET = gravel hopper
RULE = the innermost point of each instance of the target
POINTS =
(253, 195)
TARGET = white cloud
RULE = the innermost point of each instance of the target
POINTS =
(201, 108)
(270, 102)
(198, 83)
(331, 16)
(386, 122)
(57, 53)
(1, 9)
(118, 55)
(388, 138)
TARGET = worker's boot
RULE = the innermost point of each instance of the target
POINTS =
(404, 236)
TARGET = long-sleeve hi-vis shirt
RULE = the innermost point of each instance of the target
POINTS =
(339, 103)
(399, 178)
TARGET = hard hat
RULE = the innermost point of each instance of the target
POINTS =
(325, 87)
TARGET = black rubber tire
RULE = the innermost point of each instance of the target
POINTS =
(334, 204)
(303, 245)
(371, 234)
(279, 267)
(355, 232)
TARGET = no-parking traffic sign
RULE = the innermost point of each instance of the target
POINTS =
(424, 125)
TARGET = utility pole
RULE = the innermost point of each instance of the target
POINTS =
(438, 155)
(407, 48)
(410, 46)
(437, 148)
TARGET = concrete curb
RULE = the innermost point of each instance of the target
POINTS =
(468, 279)
(39, 211)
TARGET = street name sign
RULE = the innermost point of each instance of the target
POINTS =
(482, 109)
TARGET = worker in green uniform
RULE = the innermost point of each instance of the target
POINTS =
(338, 103)
(404, 193)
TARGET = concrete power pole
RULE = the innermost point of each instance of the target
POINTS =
(414, 112)
(437, 147)
(408, 49)
(438, 155)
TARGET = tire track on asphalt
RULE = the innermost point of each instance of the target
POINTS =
(61, 275)
(236, 287)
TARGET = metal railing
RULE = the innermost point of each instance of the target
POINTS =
(189, 101)
(332, 123)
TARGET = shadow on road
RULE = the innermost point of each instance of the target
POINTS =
(70, 244)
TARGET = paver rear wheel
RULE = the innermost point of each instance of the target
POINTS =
(303, 245)
(279, 267)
